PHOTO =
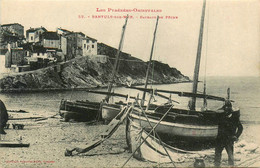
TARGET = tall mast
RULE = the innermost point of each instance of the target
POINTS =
(197, 65)
(116, 61)
(149, 63)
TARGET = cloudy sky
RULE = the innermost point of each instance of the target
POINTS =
(231, 44)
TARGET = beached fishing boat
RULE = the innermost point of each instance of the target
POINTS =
(79, 110)
(184, 124)
(87, 110)
(192, 124)
(179, 123)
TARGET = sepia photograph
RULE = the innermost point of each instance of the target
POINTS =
(135, 83)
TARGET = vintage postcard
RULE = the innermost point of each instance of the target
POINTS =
(133, 83)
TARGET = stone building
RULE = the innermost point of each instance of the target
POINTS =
(15, 56)
(14, 28)
(63, 39)
(50, 40)
(74, 44)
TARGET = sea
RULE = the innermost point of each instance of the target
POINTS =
(244, 91)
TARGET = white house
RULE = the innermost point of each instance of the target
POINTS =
(33, 35)
(89, 46)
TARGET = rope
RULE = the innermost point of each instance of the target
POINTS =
(206, 58)
(153, 65)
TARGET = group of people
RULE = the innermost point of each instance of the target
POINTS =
(229, 130)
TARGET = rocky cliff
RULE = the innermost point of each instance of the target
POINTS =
(84, 72)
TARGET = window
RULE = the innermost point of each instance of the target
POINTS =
(84, 45)
(93, 46)
(87, 40)
(31, 37)
(87, 47)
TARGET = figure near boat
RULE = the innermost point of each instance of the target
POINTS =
(229, 130)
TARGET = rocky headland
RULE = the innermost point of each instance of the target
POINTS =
(90, 72)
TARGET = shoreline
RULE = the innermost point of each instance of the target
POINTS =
(31, 90)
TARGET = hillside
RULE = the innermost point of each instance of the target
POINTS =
(83, 72)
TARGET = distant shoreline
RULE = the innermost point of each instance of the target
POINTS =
(30, 90)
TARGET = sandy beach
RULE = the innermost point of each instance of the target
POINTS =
(49, 138)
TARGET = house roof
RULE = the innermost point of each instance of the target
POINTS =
(11, 24)
(90, 38)
(65, 30)
(50, 35)
(35, 29)
(76, 34)
(80, 33)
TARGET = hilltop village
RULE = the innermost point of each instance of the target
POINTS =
(63, 59)
(39, 47)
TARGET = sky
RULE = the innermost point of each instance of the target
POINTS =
(231, 43)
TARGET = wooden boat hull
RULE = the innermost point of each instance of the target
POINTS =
(147, 147)
(179, 125)
(178, 129)
(75, 116)
(79, 110)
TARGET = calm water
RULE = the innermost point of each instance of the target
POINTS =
(244, 90)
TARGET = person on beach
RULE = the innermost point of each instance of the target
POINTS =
(3, 118)
(229, 130)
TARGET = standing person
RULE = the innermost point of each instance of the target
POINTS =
(3, 118)
(229, 130)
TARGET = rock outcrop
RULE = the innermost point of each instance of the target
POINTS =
(83, 72)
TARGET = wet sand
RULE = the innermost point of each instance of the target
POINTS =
(49, 138)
